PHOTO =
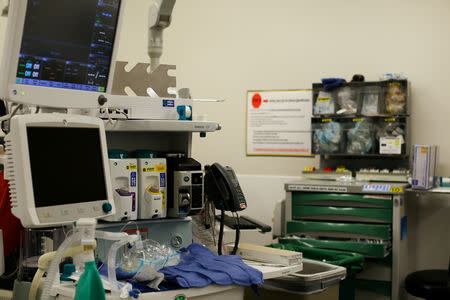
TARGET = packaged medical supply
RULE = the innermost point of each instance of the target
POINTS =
(327, 138)
(425, 161)
(395, 99)
(370, 104)
(324, 104)
(347, 100)
(360, 138)
(391, 137)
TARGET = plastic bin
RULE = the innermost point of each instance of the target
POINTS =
(353, 262)
(317, 281)
(315, 277)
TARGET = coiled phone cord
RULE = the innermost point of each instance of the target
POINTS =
(236, 240)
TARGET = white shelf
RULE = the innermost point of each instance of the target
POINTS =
(161, 125)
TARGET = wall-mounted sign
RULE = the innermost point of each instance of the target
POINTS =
(279, 122)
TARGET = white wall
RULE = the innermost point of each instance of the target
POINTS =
(224, 48)
(262, 192)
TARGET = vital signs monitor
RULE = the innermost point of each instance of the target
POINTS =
(59, 53)
(58, 169)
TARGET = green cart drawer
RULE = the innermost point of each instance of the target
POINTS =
(352, 200)
(353, 214)
(340, 230)
(367, 249)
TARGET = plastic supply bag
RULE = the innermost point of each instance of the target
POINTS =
(393, 76)
(324, 104)
(347, 101)
(148, 252)
(360, 138)
(144, 258)
(370, 104)
(395, 100)
(391, 129)
(328, 138)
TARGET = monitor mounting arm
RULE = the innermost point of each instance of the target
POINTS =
(160, 15)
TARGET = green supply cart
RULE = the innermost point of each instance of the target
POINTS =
(358, 217)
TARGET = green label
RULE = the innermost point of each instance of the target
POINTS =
(323, 99)
(180, 297)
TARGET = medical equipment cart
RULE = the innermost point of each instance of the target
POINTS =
(158, 135)
(361, 217)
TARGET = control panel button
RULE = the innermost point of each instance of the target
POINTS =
(107, 207)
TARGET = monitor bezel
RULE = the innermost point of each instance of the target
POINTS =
(25, 209)
(39, 95)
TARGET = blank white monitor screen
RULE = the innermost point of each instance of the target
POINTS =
(68, 43)
(66, 165)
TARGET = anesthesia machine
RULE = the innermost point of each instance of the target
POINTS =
(57, 163)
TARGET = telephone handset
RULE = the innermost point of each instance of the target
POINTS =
(222, 188)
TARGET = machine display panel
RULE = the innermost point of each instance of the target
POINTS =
(68, 44)
(66, 165)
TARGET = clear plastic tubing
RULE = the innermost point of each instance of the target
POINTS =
(112, 262)
(53, 271)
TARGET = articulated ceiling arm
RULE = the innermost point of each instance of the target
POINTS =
(160, 15)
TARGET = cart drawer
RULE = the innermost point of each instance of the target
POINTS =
(339, 230)
(352, 200)
(367, 249)
(353, 214)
